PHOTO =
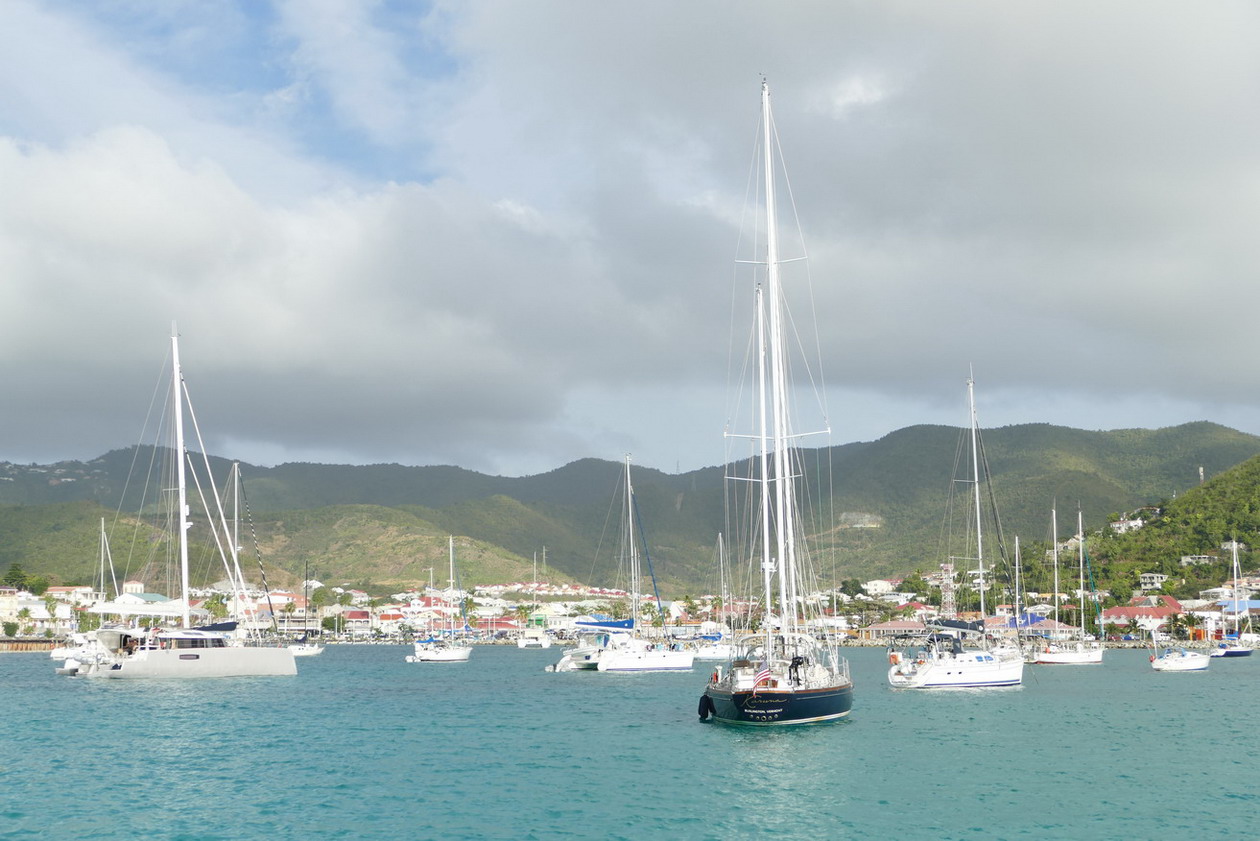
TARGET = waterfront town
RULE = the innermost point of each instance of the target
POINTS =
(879, 610)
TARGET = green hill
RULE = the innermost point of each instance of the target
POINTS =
(386, 525)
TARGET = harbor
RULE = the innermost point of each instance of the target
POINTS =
(359, 744)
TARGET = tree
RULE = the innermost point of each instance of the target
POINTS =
(216, 606)
(15, 577)
(1192, 622)
(914, 583)
(87, 621)
(715, 608)
(689, 605)
(320, 597)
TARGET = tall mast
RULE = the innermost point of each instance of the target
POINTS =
(631, 549)
(1054, 541)
(770, 386)
(975, 477)
(450, 544)
(177, 381)
(1018, 571)
(1080, 530)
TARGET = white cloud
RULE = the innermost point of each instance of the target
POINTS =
(501, 235)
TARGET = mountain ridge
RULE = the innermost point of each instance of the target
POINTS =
(405, 513)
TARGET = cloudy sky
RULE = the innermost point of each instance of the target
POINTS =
(501, 234)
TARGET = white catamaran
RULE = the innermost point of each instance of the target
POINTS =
(179, 651)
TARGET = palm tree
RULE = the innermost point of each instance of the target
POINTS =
(1192, 622)
(344, 600)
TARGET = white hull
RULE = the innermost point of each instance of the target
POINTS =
(121, 654)
(192, 663)
(583, 658)
(429, 653)
(722, 651)
(1180, 660)
(651, 660)
(1228, 650)
(1078, 655)
(966, 670)
(624, 652)
(535, 640)
(306, 649)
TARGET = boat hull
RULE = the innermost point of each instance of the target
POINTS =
(777, 707)
(1181, 661)
(970, 670)
(1231, 651)
(444, 654)
(612, 660)
(1057, 656)
(241, 661)
(720, 651)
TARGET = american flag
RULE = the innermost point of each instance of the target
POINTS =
(762, 676)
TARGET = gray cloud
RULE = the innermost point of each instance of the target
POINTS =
(501, 235)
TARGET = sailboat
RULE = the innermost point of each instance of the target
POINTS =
(81, 646)
(713, 643)
(304, 647)
(1175, 659)
(960, 654)
(183, 651)
(534, 637)
(622, 646)
(444, 648)
(1232, 645)
(1081, 651)
(788, 672)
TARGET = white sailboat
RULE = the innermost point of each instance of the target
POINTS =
(1081, 651)
(714, 641)
(790, 671)
(183, 651)
(632, 650)
(1232, 644)
(305, 647)
(1177, 659)
(622, 646)
(444, 648)
(532, 637)
(82, 645)
(959, 654)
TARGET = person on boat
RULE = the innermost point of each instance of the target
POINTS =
(794, 670)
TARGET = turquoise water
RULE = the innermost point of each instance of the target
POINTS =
(361, 745)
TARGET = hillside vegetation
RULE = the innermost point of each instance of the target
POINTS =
(384, 526)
